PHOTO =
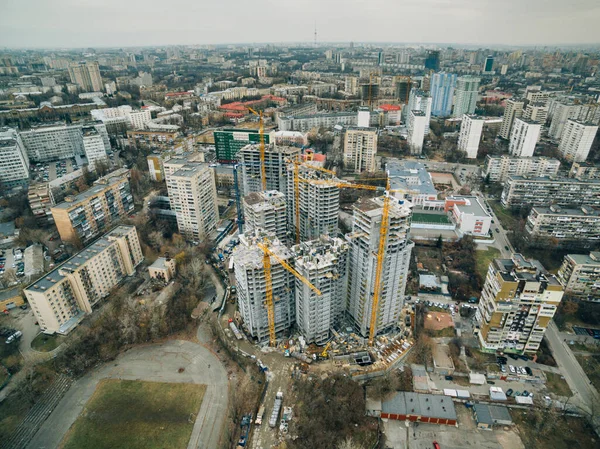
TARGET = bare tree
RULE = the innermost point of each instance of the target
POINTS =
(348, 443)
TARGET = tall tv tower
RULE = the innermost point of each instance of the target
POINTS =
(315, 34)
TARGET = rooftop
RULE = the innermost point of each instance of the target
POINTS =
(410, 175)
(100, 185)
(405, 403)
(160, 263)
(490, 414)
(473, 207)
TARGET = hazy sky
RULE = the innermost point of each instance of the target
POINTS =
(83, 23)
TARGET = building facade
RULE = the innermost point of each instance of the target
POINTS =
(420, 101)
(324, 262)
(563, 227)
(512, 110)
(14, 162)
(576, 141)
(364, 244)
(61, 298)
(277, 159)
(523, 138)
(499, 168)
(193, 197)
(93, 147)
(579, 274)
(86, 76)
(442, 93)
(83, 217)
(519, 191)
(518, 300)
(466, 93)
(470, 135)
(229, 141)
(417, 123)
(360, 148)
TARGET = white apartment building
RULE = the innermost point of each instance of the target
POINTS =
(125, 114)
(93, 146)
(193, 197)
(61, 298)
(362, 264)
(518, 300)
(565, 109)
(523, 138)
(579, 274)
(420, 101)
(14, 162)
(304, 123)
(513, 109)
(536, 113)
(266, 210)
(466, 94)
(318, 207)
(360, 148)
(470, 135)
(324, 262)
(276, 162)
(576, 141)
(417, 122)
(499, 168)
(251, 285)
(50, 143)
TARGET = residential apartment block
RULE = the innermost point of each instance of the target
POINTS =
(564, 227)
(417, 122)
(86, 76)
(499, 168)
(14, 161)
(520, 190)
(466, 93)
(85, 216)
(576, 141)
(518, 301)
(324, 262)
(584, 171)
(512, 110)
(579, 274)
(266, 210)
(470, 135)
(362, 263)
(50, 143)
(523, 137)
(251, 285)
(304, 123)
(61, 298)
(193, 197)
(360, 148)
(442, 93)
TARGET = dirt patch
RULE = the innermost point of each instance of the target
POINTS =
(437, 321)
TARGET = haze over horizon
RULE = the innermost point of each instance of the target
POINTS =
(108, 23)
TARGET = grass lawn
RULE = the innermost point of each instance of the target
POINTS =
(46, 343)
(506, 218)
(557, 385)
(483, 260)
(591, 367)
(441, 333)
(564, 432)
(137, 415)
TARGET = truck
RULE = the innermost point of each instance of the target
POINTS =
(260, 415)
(276, 409)
(235, 330)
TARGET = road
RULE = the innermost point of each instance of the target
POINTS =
(585, 395)
(157, 363)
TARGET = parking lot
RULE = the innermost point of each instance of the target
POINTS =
(45, 172)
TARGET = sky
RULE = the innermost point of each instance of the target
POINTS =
(125, 23)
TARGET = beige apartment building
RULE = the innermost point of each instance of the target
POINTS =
(360, 148)
(83, 217)
(61, 298)
(518, 300)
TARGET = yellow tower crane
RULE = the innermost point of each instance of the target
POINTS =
(264, 246)
(261, 133)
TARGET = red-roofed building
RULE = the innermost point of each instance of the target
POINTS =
(393, 112)
(179, 96)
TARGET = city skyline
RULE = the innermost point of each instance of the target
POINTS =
(110, 24)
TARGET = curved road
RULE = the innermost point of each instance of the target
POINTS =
(158, 363)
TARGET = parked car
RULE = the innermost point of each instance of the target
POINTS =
(509, 392)
(448, 377)
(491, 382)
(512, 369)
(528, 371)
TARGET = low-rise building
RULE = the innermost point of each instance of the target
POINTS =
(499, 168)
(61, 298)
(469, 215)
(518, 300)
(580, 276)
(413, 178)
(565, 227)
(163, 268)
(414, 407)
(10, 298)
(488, 416)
